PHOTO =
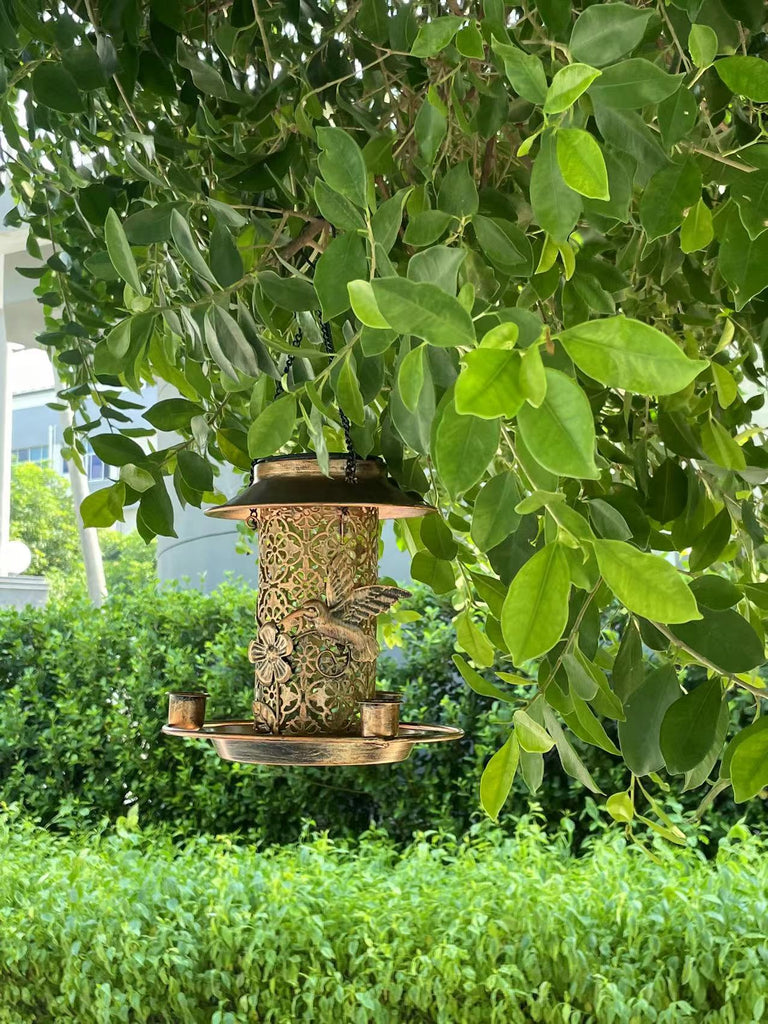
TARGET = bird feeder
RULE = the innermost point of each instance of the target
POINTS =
(314, 656)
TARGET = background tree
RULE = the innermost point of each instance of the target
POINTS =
(538, 234)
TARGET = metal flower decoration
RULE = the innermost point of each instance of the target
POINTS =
(269, 654)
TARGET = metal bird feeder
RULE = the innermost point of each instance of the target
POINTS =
(315, 699)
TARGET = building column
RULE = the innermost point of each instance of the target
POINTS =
(6, 421)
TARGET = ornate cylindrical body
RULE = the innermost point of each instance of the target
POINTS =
(316, 678)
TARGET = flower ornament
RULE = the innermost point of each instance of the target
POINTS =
(268, 654)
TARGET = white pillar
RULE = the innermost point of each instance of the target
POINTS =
(6, 421)
(89, 537)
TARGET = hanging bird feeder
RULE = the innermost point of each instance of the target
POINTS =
(314, 658)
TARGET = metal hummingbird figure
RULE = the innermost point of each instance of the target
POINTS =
(346, 608)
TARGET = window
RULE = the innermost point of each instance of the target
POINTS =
(38, 454)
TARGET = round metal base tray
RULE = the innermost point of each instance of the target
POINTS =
(237, 741)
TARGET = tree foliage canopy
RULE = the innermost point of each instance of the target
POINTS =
(539, 236)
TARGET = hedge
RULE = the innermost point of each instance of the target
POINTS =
(83, 696)
(128, 927)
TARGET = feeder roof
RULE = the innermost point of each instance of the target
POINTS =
(297, 480)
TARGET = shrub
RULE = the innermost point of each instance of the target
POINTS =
(83, 695)
(127, 926)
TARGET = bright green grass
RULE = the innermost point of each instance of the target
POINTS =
(127, 927)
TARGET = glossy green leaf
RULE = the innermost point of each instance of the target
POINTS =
(747, 76)
(743, 261)
(116, 449)
(628, 354)
(410, 377)
(749, 767)
(493, 517)
(53, 86)
(689, 725)
(498, 776)
(632, 84)
(489, 384)
(567, 85)
(724, 638)
(336, 208)
(120, 252)
(422, 309)
(524, 71)
(645, 583)
(702, 45)
(581, 163)
(458, 192)
(531, 736)
(560, 433)
(172, 413)
(343, 261)
(709, 544)
(348, 392)
(434, 36)
(104, 507)
(556, 207)
(697, 230)
(645, 710)
(535, 610)
(480, 685)
(272, 428)
(668, 194)
(472, 640)
(463, 447)
(435, 572)
(605, 32)
(342, 165)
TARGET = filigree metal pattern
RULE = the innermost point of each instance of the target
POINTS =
(297, 547)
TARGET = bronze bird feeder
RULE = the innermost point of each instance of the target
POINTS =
(315, 653)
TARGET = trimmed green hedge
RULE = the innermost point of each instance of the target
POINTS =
(129, 927)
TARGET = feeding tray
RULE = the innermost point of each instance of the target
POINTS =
(239, 741)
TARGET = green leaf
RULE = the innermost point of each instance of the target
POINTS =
(344, 260)
(120, 252)
(645, 583)
(628, 354)
(336, 209)
(760, 727)
(438, 265)
(435, 572)
(535, 611)
(226, 261)
(410, 376)
(689, 725)
(696, 776)
(53, 86)
(726, 387)
(533, 379)
(498, 776)
(436, 535)
(720, 447)
(136, 478)
(272, 428)
(560, 433)
(116, 449)
(228, 345)
(469, 42)
(632, 84)
(472, 640)
(386, 221)
(605, 32)
(474, 680)
(458, 192)
(156, 510)
(463, 447)
(492, 517)
(348, 391)
(702, 45)
(104, 507)
(435, 35)
(620, 807)
(426, 227)
(504, 245)
(569, 759)
(196, 472)
(366, 309)
(567, 85)
(293, 293)
(531, 736)
(750, 193)
(172, 413)
(749, 766)
(429, 130)
(746, 76)
(556, 207)
(524, 71)
(710, 543)
(724, 638)
(697, 230)
(488, 386)
(743, 261)
(644, 712)
(581, 163)
(342, 165)
(715, 592)
(411, 307)
(668, 194)
(185, 243)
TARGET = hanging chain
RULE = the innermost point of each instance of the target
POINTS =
(350, 472)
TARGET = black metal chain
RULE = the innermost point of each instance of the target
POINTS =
(350, 472)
